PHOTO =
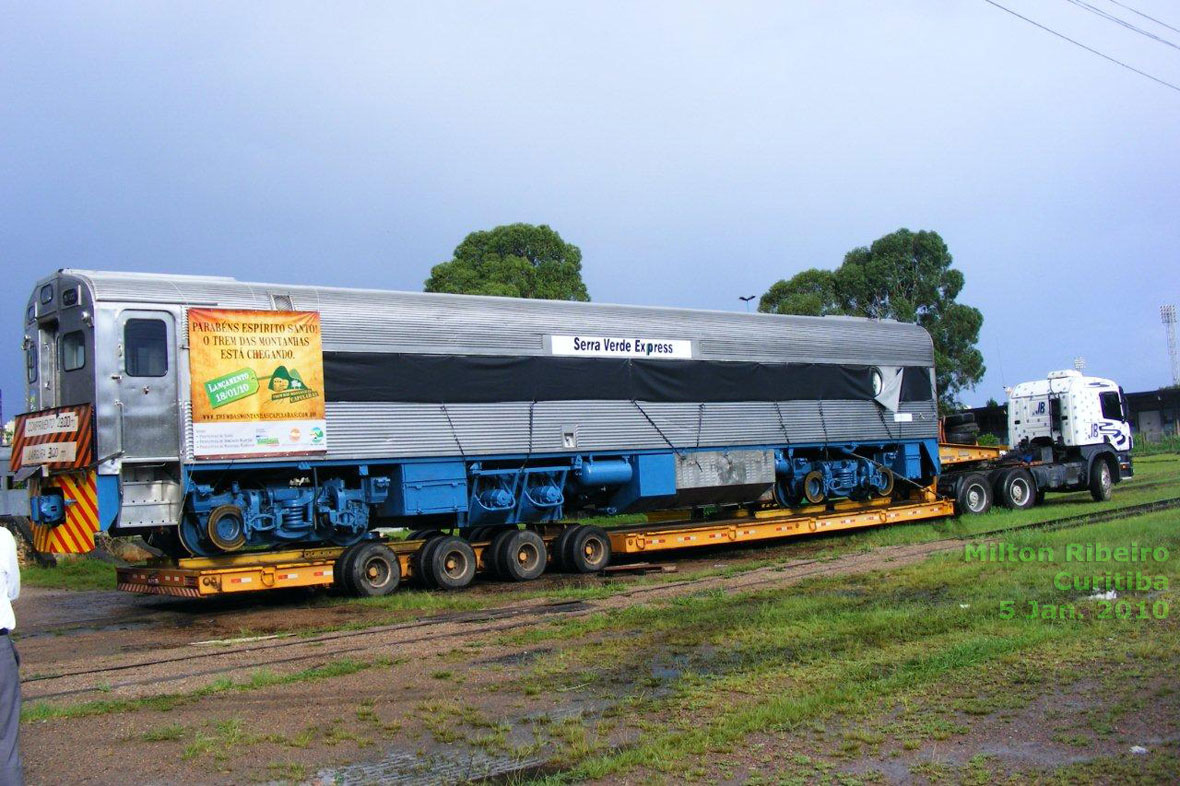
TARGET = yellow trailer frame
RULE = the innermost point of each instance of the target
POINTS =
(950, 454)
(665, 531)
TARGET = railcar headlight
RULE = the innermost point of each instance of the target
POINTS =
(878, 382)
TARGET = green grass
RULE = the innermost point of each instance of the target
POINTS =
(853, 646)
(80, 574)
(1164, 445)
(163, 702)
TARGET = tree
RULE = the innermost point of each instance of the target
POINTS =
(905, 276)
(515, 260)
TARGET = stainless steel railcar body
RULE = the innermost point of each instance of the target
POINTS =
(119, 342)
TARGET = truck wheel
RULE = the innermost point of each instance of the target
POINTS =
(451, 564)
(1100, 482)
(521, 555)
(958, 419)
(974, 495)
(373, 571)
(587, 551)
(1017, 489)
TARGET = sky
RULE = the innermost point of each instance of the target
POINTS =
(695, 152)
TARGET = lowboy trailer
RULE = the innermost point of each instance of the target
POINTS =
(435, 560)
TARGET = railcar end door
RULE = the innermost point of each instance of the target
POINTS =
(149, 427)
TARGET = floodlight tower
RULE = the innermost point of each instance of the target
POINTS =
(1168, 317)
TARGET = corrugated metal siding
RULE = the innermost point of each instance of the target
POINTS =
(374, 431)
(371, 320)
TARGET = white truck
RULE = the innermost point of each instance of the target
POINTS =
(1069, 432)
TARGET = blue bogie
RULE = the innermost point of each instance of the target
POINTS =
(297, 503)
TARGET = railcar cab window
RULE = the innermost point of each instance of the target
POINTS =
(73, 351)
(30, 361)
(46, 296)
(1112, 407)
(145, 344)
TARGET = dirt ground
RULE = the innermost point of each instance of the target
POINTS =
(128, 689)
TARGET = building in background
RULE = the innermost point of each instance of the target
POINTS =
(1154, 414)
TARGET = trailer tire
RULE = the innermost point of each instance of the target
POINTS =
(373, 570)
(424, 534)
(588, 550)
(958, 419)
(1101, 485)
(521, 555)
(973, 495)
(451, 565)
(1016, 489)
(558, 548)
(422, 559)
(341, 579)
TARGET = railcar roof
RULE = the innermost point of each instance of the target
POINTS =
(834, 338)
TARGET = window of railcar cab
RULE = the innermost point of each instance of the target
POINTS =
(30, 361)
(145, 347)
(46, 296)
(31, 313)
(73, 351)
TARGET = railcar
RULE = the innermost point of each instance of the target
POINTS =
(212, 415)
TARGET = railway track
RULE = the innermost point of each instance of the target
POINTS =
(336, 644)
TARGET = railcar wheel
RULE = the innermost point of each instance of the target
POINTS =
(1101, 484)
(813, 487)
(373, 571)
(192, 537)
(225, 528)
(588, 550)
(559, 547)
(451, 564)
(887, 490)
(422, 559)
(1017, 489)
(974, 495)
(521, 556)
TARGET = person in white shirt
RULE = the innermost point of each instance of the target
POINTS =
(10, 765)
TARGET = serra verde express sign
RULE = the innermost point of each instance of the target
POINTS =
(257, 383)
(613, 347)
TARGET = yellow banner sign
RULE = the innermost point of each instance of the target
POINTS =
(257, 382)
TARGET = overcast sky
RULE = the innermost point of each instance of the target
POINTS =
(695, 152)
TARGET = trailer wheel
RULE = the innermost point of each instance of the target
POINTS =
(974, 495)
(373, 570)
(813, 487)
(558, 548)
(1100, 482)
(422, 558)
(1016, 489)
(521, 555)
(424, 534)
(587, 550)
(451, 565)
(342, 569)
